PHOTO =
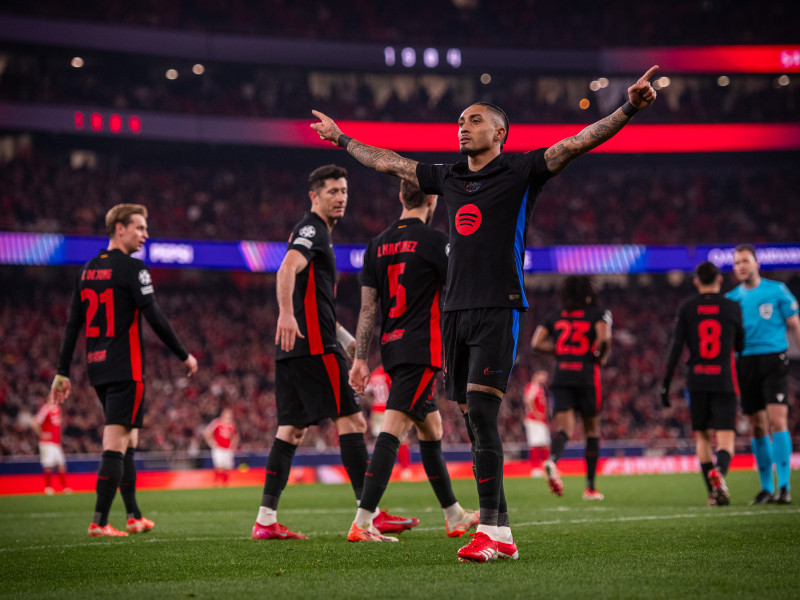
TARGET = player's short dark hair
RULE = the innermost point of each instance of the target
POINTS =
(500, 113)
(706, 272)
(577, 292)
(122, 213)
(318, 176)
(746, 248)
(410, 195)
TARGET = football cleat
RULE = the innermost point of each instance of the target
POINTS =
(370, 534)
(468, 520)
(386, 523)
(107, 531)
(593, 495)
(508, 551)
(712, 501)
(719, 489)
(49, 491)
(139, 525)
(481, 548)
(763, 497)
(553, 478)
(784, 496)
(276, 531)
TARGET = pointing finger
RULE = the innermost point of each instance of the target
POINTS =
(649, 73)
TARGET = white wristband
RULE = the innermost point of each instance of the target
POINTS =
(344, 337)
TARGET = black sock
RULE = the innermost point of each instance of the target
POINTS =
(279, 464)
(557, 445)
(471, 435)
(483, 412)
(436, 470)
(127, 485)
(379, 471)
(355, 457)
(502, 511)
(723, 461)
(591, 454)
(108, 476)
(706, 467)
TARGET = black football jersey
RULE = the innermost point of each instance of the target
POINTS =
(112, 289)
(575, 340)
(489, 211)
(314, 289)
(711, 326)
(407, 265)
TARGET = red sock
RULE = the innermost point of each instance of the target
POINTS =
(63, 478)
(48, 479)
(404, 456)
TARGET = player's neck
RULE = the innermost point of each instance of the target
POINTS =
(329, 221)
(753, 283)
(476, 162)
(415, 213)
(113, 244)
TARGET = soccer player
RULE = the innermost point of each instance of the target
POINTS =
(537, 431)
(579, 335)
(222, 437)
(404, 270)
(711, 326)
(310, 365)
(113, 292)
(377, 393)
(769, 311)
(489, 199)
(47, 425)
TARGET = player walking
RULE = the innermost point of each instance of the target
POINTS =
(711, 326)
(579, 335)
(404, 270)
(113, 292)
(47, 425)
(223, 438)
(489, 201)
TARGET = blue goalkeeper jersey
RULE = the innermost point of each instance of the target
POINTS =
(765, 309)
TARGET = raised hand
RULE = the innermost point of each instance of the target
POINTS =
(326, 128)
(641, 94)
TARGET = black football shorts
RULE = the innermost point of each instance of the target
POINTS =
(309, 389)
(480, 346)
(586, 400)
(762, 380)
(412, 390)
(123, 403)
(712, 410)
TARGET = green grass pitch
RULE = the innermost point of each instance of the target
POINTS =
(652, 537)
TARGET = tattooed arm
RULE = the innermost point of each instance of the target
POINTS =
(359, 372)
(640, 95)
(379, 159)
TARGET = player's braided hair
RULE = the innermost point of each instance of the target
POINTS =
(500, 113)
(578, 292)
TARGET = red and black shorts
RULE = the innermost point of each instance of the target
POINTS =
(412, 390)
(123, 403)
(712, 410)
(586, 400)
(309, 389)
(762, 380)
(480, 346)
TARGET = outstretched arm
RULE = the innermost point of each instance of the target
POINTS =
(640, 95)
(541, 341)
(385, 161)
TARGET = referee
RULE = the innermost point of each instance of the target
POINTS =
(769, 310)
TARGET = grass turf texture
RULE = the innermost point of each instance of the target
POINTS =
(653, 537)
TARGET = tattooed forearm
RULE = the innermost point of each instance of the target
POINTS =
(385, 161)
(366, 321)
(561, 154)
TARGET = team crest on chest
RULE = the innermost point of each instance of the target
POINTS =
(473, 186)
(765, 310)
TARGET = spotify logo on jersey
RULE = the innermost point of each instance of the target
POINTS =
(468, 219)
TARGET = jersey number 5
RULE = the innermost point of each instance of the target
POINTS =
(709, 332)
(572, 337)
(396, 289)
(106, 298)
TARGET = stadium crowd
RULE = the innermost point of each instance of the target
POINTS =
(476, 23)
(201, 194)
(228, 321)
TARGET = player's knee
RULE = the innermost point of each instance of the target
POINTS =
(355, 423)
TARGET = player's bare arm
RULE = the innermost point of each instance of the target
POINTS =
(359, 373)
(541, 341)
(384, 161)
(603, 332)
(640, 95)
(288, 330)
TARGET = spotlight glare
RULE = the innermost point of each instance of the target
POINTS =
(77, 62)
(723, 81)
(198, 69)
(171, 74)
(486, 79)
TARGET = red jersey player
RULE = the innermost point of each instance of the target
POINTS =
(537, 431)
(47, 425)
(221, 435)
